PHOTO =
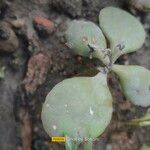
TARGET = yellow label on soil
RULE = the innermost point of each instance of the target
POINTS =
(58, 139)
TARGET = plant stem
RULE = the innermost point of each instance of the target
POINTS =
(71, 145)
(143, 121)
(88, 145)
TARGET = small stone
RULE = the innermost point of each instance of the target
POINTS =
(143, 5)
(18, 23)
(8, 39)
(43, 26)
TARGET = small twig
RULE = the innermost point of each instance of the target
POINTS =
(25, 121)
(26, 131)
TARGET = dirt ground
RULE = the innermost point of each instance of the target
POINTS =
(42, 59)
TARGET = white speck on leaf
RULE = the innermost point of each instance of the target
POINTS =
(47, 105)
(91, 111)
(66, 105)
(54, 127)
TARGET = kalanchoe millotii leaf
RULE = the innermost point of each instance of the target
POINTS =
(86, 38)
(135, 81)
(121, 27)
(78, 108)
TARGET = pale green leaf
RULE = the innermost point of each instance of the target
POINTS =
(121, 27)
(135, 81)
(79, 108)
(82, 34)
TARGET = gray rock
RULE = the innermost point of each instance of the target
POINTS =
(8, 38)
(143, 5)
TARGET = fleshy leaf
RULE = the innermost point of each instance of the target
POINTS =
(135, 81)
(121, 27)
(84, 37)
(80, 107)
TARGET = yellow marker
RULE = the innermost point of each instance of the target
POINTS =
(58, 139)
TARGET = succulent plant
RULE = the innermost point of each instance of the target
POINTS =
(81, 107)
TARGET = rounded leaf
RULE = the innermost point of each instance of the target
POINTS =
(84, 37)
(135, 81)
(78, 108)
(121, 27)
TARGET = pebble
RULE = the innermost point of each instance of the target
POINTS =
(8, 39)
(142, 5)
(43, 26)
